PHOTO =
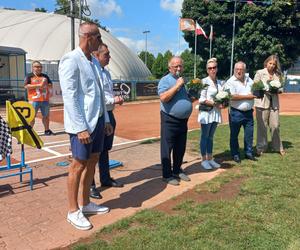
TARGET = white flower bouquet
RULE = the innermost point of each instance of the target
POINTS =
(223, 97)
(274, 86)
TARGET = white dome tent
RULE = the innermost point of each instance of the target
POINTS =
(46, 37)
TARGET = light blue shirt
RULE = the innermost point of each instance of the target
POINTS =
(180, 106)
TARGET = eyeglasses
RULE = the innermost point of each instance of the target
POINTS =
(176, 66)
(210, 68)
(37, 66)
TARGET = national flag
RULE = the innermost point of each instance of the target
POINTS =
(211, 34)
(199, 30)
(18, 124)
(187, 24)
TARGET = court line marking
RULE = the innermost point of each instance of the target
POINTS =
(59, 155)
(47, 149)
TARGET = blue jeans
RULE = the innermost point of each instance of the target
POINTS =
(237, 119)
(207, 137)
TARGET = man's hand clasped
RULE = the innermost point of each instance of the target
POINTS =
(108, 129)
(84, 137)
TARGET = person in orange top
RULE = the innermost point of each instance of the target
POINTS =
(39, 89)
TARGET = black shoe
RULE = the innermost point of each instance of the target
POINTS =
(236, 158)
(112, 183)
(94, 193)
(250, 157)
(48, 132)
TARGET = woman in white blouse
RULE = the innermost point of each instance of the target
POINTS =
(209, 119)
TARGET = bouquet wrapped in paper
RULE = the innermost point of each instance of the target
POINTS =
(274, 86)
(223, 97)
(194, 87)
(258, 89)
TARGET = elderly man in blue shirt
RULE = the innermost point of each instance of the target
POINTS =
(175, 110)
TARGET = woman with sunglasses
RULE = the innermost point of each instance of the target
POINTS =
(210, 114)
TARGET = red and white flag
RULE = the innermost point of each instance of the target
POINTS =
(200, 31)
(187, 24)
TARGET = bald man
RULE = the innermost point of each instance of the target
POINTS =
(85, 117)
(175, 110)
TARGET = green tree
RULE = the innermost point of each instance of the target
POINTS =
(261, 30)
(63, 8)
(158, 68)
(189, 60)
(40, 10)
(150, 58)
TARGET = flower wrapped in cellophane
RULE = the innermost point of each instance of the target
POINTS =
(194, 87)
(258, 89)
(223, 97)
(274, 86)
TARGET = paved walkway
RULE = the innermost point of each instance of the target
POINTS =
(37, 219)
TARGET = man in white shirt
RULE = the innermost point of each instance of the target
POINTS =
(241, 112)
(103, 56)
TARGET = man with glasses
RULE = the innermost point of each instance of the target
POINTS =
(241, 112)
(39, 90)
(85, 118)
(103, 56)
(175, 110)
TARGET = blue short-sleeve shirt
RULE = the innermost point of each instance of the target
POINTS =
(180, 106)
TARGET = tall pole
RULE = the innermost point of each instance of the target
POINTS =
(210, 40)
(179, 33)
(146, 32)
(233, 34)
(195, 56)
(72, 15)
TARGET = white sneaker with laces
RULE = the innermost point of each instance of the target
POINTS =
(93, 208)
(205, 164)
(78, 220)
(214, 164)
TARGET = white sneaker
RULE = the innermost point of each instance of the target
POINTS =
(93, 208)
(78, 220)
(214, 164)
(205, 164)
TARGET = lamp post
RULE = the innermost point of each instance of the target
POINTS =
(146, 32)
(72, 15)
(233, 34)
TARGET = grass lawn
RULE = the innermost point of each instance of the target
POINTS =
(263, 215)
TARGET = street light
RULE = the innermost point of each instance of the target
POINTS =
(146, 32)
(232, 41)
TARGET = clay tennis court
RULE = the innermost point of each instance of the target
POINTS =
(37, 219)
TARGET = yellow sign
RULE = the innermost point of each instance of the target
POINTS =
(18, 116)
(26, 110)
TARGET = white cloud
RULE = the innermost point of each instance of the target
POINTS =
(172, 5)
(135, 45)
(104, 8)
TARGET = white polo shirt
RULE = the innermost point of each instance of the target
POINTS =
(237, 87)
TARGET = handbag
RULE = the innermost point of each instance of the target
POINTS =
(204, 107)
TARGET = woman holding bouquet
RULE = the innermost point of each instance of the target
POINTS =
(267, 108)
(210, 114)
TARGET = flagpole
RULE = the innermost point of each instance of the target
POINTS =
(179, 31)
(195, 59)
(210, 41)
(232, 42)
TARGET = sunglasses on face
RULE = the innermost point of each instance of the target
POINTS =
(210, 68)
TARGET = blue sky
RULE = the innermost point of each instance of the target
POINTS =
(127, 19)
